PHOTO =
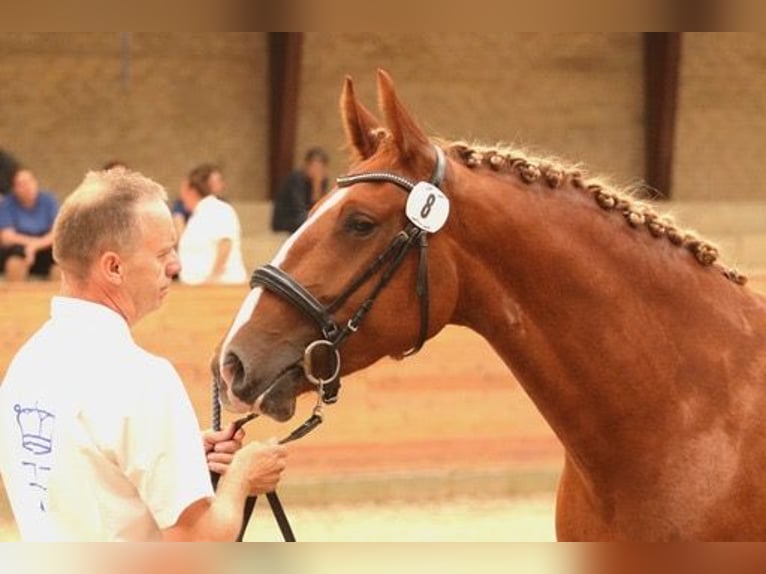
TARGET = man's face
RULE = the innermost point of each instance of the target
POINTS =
(150, 267)
(25, 187)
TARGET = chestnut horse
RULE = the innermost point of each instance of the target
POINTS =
(645, 355)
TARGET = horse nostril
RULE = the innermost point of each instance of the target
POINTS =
(233, 371)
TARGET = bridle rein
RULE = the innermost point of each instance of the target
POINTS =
(279, 282)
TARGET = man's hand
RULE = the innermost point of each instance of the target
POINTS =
(262, 465)
(220, 447)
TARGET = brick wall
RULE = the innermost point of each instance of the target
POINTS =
(578, 96)
(67, 105)
(721, 134)
(69, 102)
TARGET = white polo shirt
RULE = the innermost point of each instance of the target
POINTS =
(98, 438)
(212, 221)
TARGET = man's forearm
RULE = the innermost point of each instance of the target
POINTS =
(214, 520)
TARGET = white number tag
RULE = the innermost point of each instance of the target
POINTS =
(427, 207)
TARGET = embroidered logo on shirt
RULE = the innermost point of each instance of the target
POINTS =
(36, 426)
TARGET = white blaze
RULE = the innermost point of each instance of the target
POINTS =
(247, 309)
(331, 201)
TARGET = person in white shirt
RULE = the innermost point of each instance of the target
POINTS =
(98, 438)
(210, 245)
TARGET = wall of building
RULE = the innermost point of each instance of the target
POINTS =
(721, 132)
(70, 102)
(578, 96)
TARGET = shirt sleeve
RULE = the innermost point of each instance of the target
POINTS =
(163, 453)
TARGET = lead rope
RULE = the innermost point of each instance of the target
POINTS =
(276, 505)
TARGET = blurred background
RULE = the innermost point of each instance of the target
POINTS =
(681, 112)
(444, 446)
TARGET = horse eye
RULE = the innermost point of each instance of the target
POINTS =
(359, 225)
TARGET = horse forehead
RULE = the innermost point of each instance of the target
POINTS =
(247, 309)
(244, 315)
(332, 200)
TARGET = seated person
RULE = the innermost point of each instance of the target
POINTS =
(9, 165)
(210, 247)
(26, 229)
(303, 188)
(213, 177)
(177, 209)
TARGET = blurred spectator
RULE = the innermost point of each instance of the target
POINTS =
(26, 229)
(212, 177)
(180, 215)
(8, 167)
(303, 188)
(210, 246)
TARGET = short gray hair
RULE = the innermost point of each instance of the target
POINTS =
(100, 215)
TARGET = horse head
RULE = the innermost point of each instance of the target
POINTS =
(358, 256)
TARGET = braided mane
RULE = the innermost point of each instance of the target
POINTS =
(555, 174)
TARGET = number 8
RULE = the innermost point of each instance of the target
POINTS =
(430, 200)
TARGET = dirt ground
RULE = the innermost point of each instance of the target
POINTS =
(444, 443)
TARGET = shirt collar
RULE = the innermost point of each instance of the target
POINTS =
(89, 313)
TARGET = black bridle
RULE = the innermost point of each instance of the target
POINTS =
(386, 264)
(279, 282)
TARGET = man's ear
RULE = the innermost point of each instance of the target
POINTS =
(111, 267)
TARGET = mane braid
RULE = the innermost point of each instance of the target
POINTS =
(554, 174)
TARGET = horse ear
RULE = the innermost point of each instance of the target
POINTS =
(407, 134)
(358, 122)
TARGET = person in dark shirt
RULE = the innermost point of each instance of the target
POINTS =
(26, 229)
(8, 167)
(303, 188)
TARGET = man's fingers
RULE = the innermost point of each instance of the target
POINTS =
(212, 438)
(230, 446)
(227, 433)
(220, 457)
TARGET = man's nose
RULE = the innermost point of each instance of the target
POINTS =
(173, 268)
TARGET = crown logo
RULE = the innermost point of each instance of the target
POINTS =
(36, 426)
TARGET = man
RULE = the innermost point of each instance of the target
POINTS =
(98, 439)
(210, 247)
(26, 229)
(303, 188)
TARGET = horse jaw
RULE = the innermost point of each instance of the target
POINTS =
(281, 411)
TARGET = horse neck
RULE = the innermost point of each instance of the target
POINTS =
(591, 315)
